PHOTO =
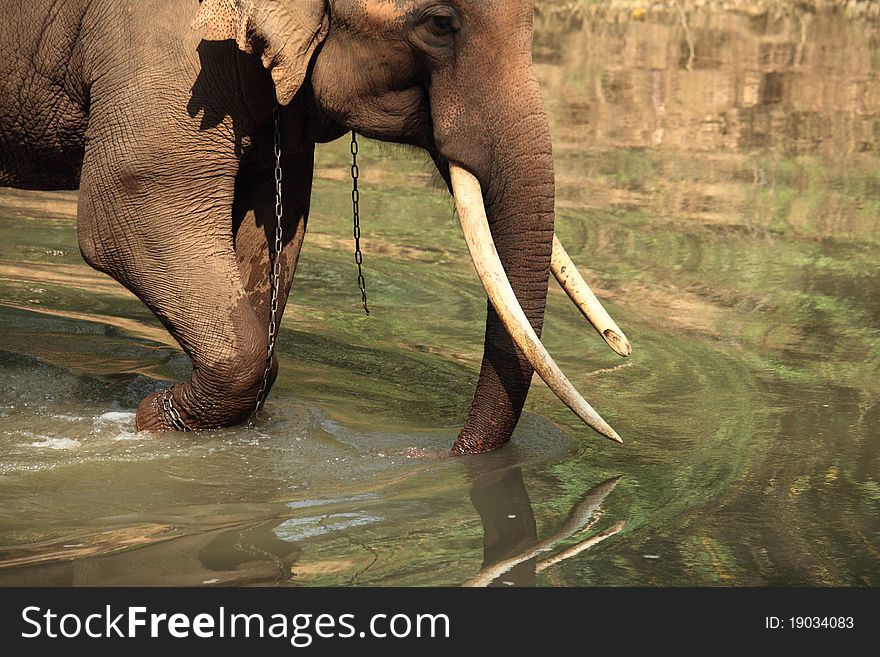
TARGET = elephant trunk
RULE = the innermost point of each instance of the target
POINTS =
(494, 136)
(519, 206)
(506, 148)
(504, 302)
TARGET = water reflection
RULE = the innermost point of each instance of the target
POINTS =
(777, 117)
(502, 502)
(287, 550)
(714, 81)
(511, 549)
(154, 556)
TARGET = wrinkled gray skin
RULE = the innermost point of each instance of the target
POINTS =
(169, 139)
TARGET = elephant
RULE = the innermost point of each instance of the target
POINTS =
(181, 122)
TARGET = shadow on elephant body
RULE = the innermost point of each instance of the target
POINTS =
(218, 91)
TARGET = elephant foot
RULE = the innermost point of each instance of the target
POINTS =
(162, 411)
(181, 408)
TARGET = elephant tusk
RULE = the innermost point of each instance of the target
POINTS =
(576, 287)
(477, 235)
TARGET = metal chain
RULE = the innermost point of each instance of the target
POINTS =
(171, 412)
(275, 261)
(356, 213)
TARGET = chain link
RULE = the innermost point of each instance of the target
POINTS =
(356, 213)
(171, 412)
(275, 262)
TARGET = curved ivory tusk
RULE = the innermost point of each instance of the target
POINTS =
(576, 287)
(475, 225)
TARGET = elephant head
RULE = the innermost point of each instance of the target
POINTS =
(456, 78)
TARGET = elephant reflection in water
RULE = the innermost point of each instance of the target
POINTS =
(271, 551)
(512, 553)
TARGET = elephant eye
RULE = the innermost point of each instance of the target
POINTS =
(442, 25)
(435, 29)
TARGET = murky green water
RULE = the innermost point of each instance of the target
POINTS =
(719, 181)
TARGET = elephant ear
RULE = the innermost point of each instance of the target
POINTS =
(289, 31)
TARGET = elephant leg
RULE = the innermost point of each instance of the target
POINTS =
(254, 225)
(174, 248)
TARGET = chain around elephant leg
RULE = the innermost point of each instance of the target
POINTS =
(171, 413)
